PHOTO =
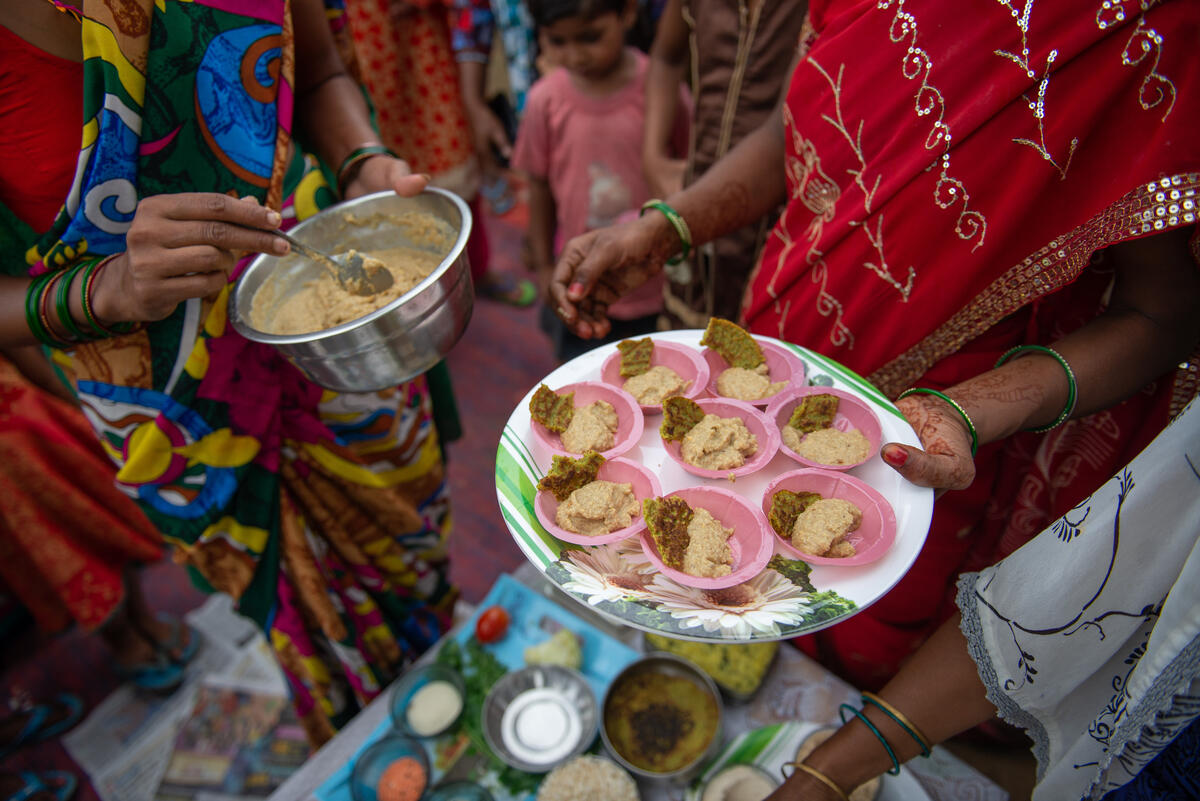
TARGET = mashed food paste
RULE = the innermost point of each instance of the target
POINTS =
(598, 508)
(708, 553)
(821, 529)
(593, 428)
(747, 385)
(718, 443)
(828, 445)
(656, 384)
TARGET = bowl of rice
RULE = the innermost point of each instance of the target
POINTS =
(588, 778)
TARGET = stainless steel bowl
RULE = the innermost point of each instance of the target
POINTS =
(539, 717)
(671, 665)
(394, 343)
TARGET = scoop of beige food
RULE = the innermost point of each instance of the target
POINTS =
(358, 274)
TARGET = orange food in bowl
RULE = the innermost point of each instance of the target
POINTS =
(403, 780)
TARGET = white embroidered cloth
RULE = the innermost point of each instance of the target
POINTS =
(1088, 637)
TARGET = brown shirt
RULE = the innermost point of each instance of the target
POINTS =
(741, 51)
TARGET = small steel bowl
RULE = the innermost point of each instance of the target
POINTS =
(398, 341)
(539, 717)
(671, 665)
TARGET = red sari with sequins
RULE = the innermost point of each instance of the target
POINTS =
(954, 169)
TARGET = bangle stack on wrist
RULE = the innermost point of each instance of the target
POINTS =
(677, 222)
(58, 284)
(348, 170)
(1072, 387)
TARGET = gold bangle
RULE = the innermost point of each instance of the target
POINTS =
(819, 776)
(900, 718)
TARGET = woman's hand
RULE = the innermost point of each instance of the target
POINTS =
(180, 247)
(597, 268)
(946, 462)
(381, 173)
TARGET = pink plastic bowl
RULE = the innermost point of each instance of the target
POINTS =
(758, 424)
(752, 543)
(629, 418)
(782, 365)
(623, 471)
(852, 413)
(873, 537)
(685, 361)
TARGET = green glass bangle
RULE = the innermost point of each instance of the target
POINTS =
(43, 313)
(677, 222)
(900, 720)
(85, 289)
(91, 272)
(62, 304)
(1072, 386)
(895, 769)
(33, 299)
(953, 403)
(356, 157)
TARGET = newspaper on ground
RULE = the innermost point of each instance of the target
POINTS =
(233, 743)
(125, 744)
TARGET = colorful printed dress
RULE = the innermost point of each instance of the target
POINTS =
(324, 514)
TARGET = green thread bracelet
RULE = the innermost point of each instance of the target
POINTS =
(62, 304)
(677, 222)
(895, 769)
(1072, 386)
(357, 156)
(953, 403)
(901, 721)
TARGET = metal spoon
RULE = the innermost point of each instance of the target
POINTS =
(356, 276)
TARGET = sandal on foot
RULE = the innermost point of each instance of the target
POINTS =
(506, 288)
(58, 783)
(38, 728)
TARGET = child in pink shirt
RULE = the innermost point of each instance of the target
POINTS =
(580, 143)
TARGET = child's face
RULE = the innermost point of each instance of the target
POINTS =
(589, 48)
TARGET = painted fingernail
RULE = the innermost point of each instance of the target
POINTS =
(575, 289)
(896, 457)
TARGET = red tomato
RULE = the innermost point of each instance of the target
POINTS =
(492, 624)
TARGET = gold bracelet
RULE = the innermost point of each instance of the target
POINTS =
(900, 718)
(819, 776)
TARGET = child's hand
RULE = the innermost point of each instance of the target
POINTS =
(487, 132)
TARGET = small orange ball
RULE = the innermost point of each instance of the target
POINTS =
(403, 780)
